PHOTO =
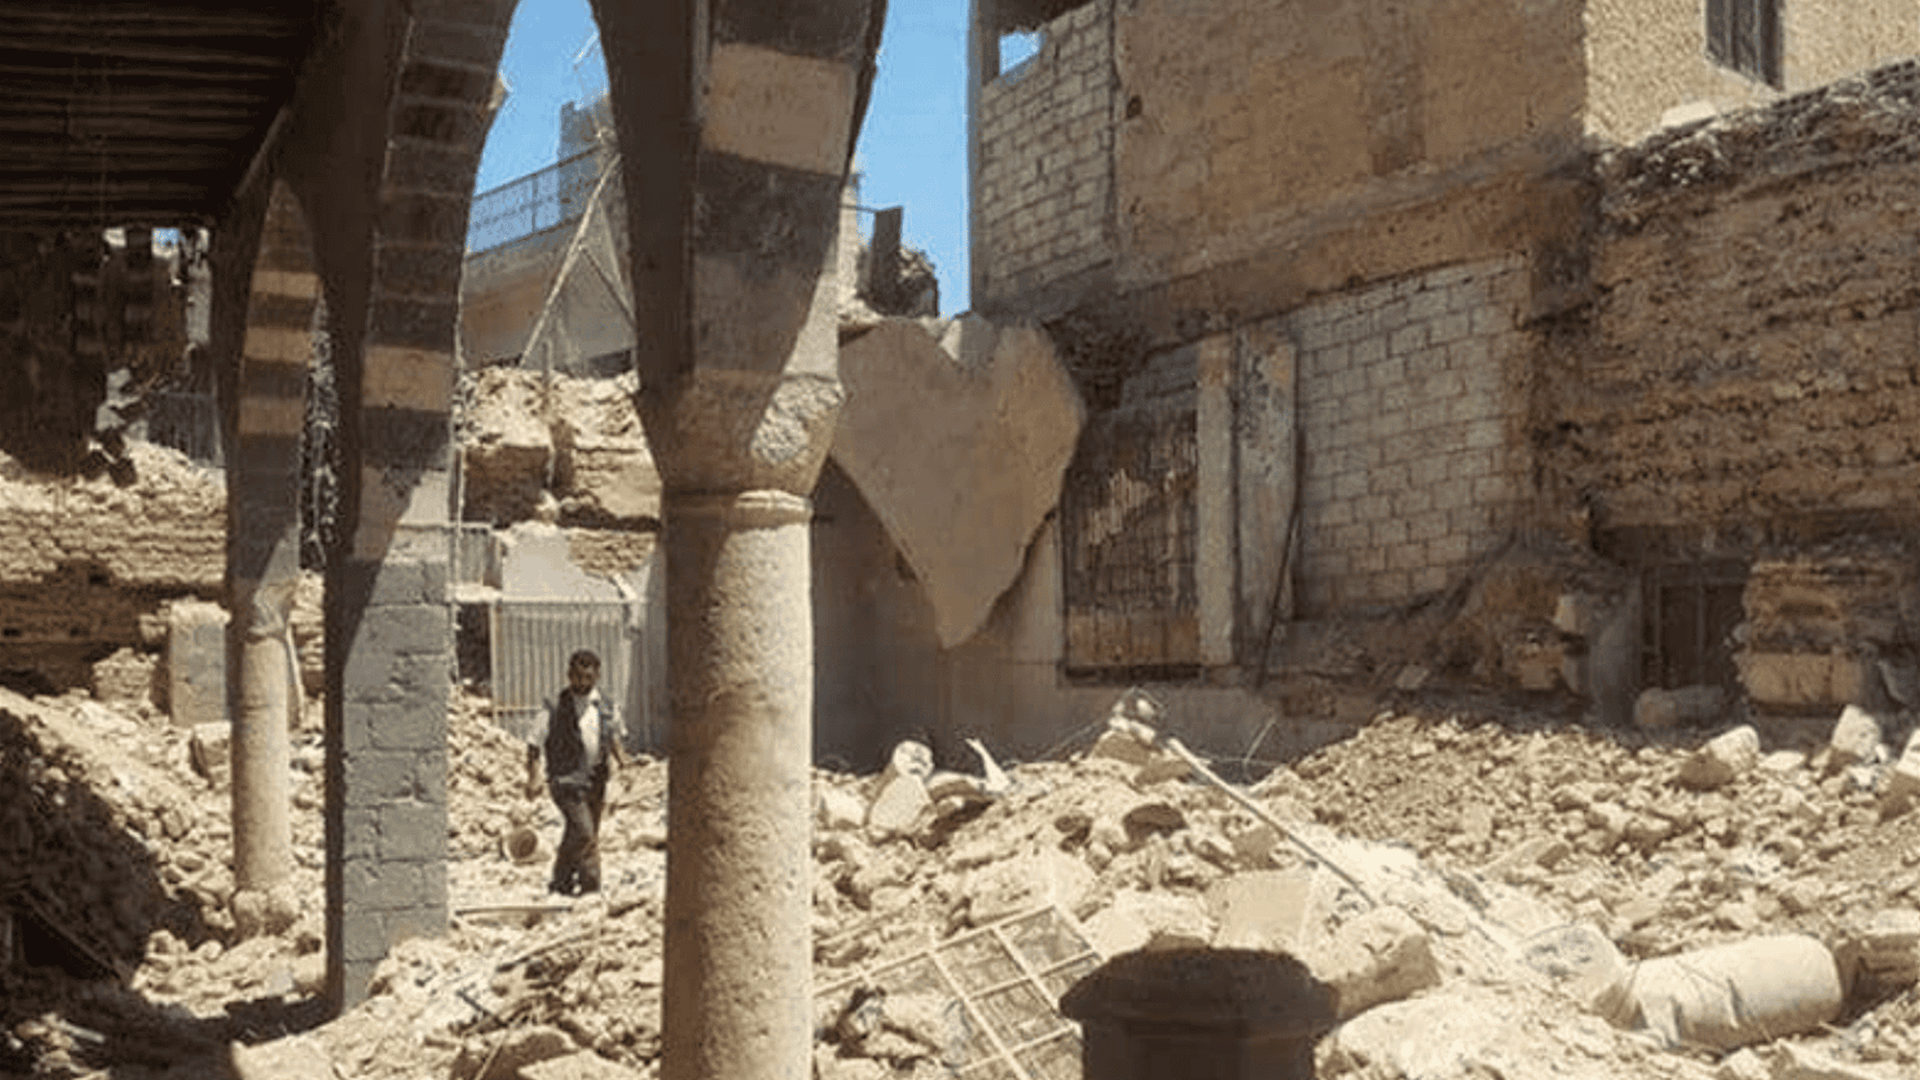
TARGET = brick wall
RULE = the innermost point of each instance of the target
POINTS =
(1411, 407)
(1045, 160)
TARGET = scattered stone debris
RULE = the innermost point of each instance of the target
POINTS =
(1520, 890)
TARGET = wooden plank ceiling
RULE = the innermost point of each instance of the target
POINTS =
(139, 113)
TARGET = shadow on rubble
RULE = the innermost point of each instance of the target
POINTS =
(80, 893)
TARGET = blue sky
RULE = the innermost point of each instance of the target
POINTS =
(912, 150)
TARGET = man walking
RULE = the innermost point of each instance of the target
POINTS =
(581, 738)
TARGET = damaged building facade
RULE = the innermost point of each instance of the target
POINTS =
(1505, 309)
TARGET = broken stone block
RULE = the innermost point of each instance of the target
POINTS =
(946, 785)
(295, 1057)
(1722, 759)
(1384, 955)
(898, 806)
(210, 750)
(1856, 738)
(910, 758)
(1658, 709)
(1535, 851)
(585, 1065)
(1047, 878)
(1148, 819)
(1120, 746)
(1263, 909)
(1887, 951)
(836, 808)
(504, 1058)
(1583, 963)
(1902, 785)
(1470, 1031)
(1149, 920)
(1792, 1061)
(196, 663)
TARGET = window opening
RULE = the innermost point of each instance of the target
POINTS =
(1745, 35)
(1018, 47)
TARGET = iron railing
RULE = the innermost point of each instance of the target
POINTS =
(534, 203)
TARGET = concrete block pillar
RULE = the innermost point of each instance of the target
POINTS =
(736, 121)
(387, 765)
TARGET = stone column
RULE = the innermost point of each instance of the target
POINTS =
(263, 560)
(736, 121)
(739, 949)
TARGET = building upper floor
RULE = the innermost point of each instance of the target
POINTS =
(1145, 143)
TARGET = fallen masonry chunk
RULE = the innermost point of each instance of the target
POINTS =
(585, 1065)
(897, 807)
(911, 758)
(1659, 708)
(1723, 759)
(1151, 921)
(1383, 955)
(1733, 995)
(1584, 963)
(1856, 738)
(1793, 1062)
(1263, 909)
(1887, 951)
(836, 808)
(503, 1056)
(1046, 878)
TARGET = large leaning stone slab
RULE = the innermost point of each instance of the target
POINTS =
(959, 450)
(197, 663)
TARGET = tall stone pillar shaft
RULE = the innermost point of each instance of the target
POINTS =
(263, 540)
(262, 702)
(739, 882)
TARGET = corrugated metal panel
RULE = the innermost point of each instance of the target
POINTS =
(531, 641)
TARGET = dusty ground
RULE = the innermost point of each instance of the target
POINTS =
(1519, 818)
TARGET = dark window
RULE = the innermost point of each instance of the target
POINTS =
(1745, 36)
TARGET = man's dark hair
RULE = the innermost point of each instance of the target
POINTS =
(585, 658)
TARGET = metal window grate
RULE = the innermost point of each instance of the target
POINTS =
(1004, 984)
(1129, 521)
(1745, 35)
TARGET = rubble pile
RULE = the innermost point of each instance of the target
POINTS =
(1515, 884)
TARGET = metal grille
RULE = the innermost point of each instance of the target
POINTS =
(1128, 524)
(1003, 984)
(534, 203)
(530, 641)
(472, 560)
(187, 422)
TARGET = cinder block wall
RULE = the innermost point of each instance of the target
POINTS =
(1412, 405)
(1046, 159)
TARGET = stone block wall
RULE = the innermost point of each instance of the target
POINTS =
(1045, 160)
(1412, 410)
(1749, 354)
